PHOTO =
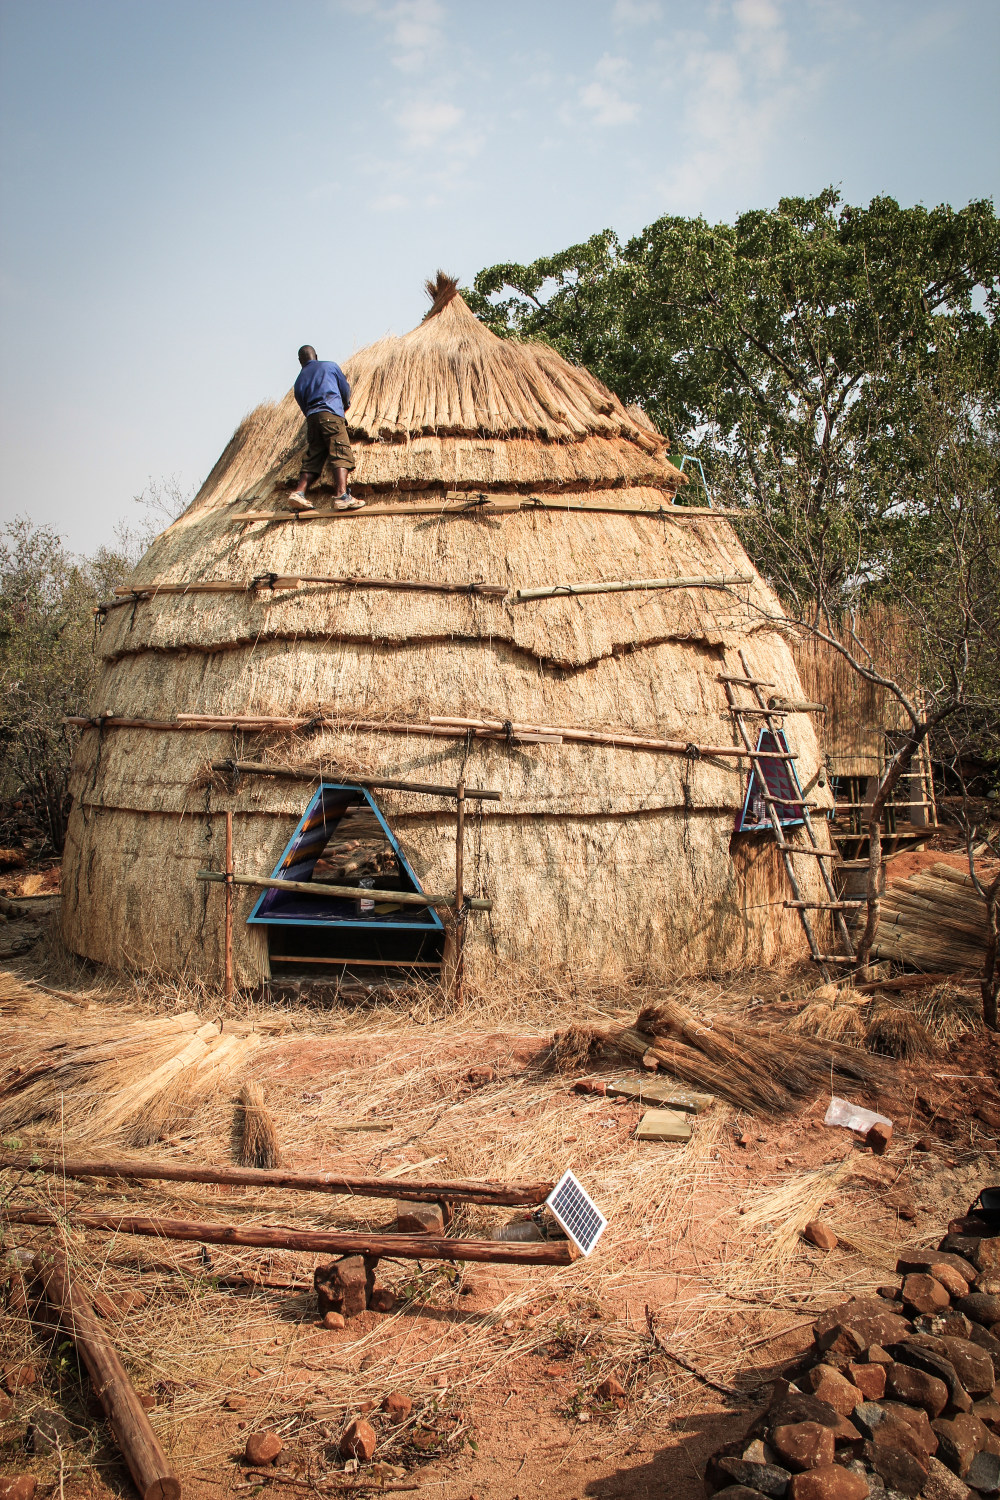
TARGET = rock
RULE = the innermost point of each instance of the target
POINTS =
(853, 1331)
(898, 1469)
(986, 1256)
(930, 1356)
(959, 1440)
(867, 1416)
(755, 1452)
(916, 1419)
(878, 1138)
(382, 1300)
(764, 1479)
(610, 1390)
(894, 1433)
(235, 1403)
(343, 1286)
(989, 1115)
(985, 1338)
(983, 1473)
(869, 1379)
(396, 1406)
(262, 1449)
(732, 1491)
(923, 1260)
(419, 1218)
(803, 1445)
(950, 1324)
(988, 1413)
(924, 1294)
(942, 1484)
(916, 1388)
(18, 1487)
(820, 1235)
(954, 1285)
(830, 1385)
(359, 1440)
(18, 1378)
(334, 1320)
(50, 1432)
(973, 1365)
(981, 1307)
(789, 1406)
(831, 1482)
(876, 1355)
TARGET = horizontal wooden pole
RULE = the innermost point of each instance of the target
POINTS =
(824, 905)
(310, 1241)
(412, 1189)
(795, 706)
(745, 681)
(140, 1447)
(350, 892)
(501, 505)
(267, 583)
(606, 737)
(813, 853)
(632, 585)
(362, 963)
(306, 773)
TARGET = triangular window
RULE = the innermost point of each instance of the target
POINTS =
(782, 783)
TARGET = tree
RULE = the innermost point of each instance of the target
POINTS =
(786, 350)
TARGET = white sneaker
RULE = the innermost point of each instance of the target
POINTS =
(298, 501)
(347, 501)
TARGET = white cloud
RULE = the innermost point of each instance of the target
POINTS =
(416, 32)
(389, 203)
(636, 12)
(425, 121)
(604, 98)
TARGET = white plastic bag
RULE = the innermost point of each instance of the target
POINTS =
(852, 1116)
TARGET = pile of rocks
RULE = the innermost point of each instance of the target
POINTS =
(897, 1398)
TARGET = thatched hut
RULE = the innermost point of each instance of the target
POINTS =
(483, 462)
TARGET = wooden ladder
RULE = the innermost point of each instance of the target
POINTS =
(760, 710)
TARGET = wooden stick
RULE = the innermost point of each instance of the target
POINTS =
(269, 582)
(229, 906)
(605, 737)
(359, 963)
(459, 891)
(502, 505)
(632, 585)
(147, 1463)
(396, 1246)
(413, 1189)
(351, 892)
(304, 773)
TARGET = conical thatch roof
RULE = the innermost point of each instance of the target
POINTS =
(598, 856)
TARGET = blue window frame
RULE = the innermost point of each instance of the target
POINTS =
(316, 827)
(782, 782)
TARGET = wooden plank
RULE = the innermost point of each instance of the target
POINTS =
(413, 1189)
(312, 1242)
(147, 1462)
(305, 773)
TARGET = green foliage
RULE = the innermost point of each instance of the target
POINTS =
(47, 661)
(791, 351)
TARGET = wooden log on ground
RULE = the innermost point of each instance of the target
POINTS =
(395, 1246)
(348, 892)
(147, 1463)
(412, 1189)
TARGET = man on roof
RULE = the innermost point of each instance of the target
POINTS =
(324, 396)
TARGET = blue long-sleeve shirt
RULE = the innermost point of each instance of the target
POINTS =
(322, 386)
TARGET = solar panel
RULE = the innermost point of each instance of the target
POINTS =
(581, 1218)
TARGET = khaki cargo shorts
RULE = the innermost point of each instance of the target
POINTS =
(328, 439)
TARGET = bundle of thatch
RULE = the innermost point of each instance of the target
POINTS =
(935, 920)
(143, 1080)
(603, 857)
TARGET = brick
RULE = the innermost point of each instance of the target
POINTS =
(358, 1440)
(916, 1388)
(869, 1379)
(803, 1445)
(829, 1482)
(820, 1235)
(924, 1294)
(262, 1449)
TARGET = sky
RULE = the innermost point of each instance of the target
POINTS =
(190, 190)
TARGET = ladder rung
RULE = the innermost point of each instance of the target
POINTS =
(824, 905)
(768, 713)
(769, 754)
(745, 681)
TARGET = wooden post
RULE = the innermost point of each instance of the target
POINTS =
(459, 888)
(229, 906)
(154, 1478)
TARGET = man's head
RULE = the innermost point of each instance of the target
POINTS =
(306, 353)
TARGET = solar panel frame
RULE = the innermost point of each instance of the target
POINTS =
(570, 1203)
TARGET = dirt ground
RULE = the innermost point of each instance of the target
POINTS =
(700, 1290)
